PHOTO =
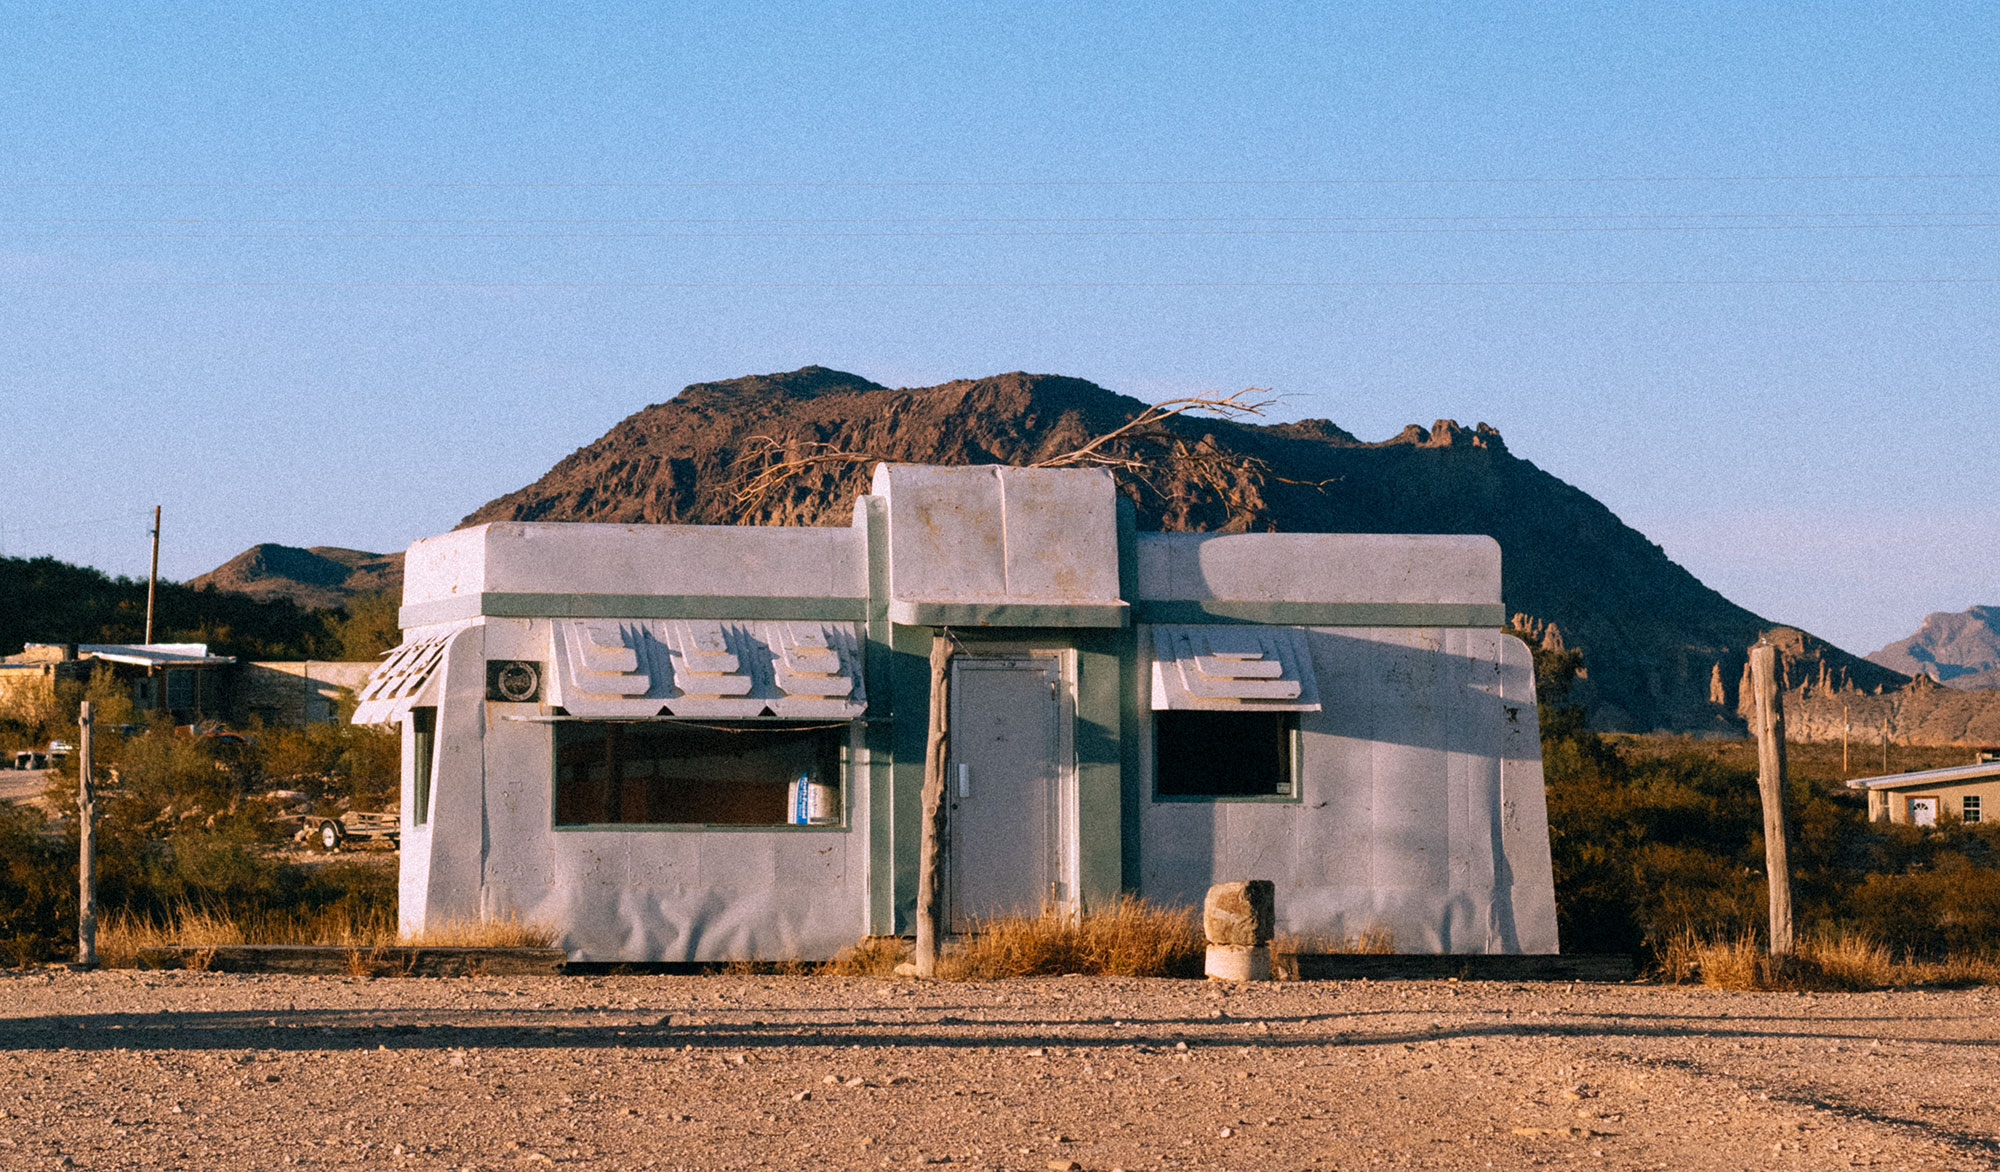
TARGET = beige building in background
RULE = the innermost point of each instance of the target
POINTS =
(187, 684)
(1969, 793)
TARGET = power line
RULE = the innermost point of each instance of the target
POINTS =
(1568, 216)
(868, 184)
(1776, 282)
(992, 234)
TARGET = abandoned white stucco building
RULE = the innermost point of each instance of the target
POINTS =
(677, 743)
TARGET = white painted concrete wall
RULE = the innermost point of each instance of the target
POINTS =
(515, 557)
(439, 878)
(1420, 809)
(493, 852)
(1319, 567)
(991, 533)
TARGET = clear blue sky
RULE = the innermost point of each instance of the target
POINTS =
(340, 273)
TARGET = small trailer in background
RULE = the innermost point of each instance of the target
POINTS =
(333, 831)
(359, 827)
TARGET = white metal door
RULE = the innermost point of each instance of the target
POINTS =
(1002, 787)
(1923, 811)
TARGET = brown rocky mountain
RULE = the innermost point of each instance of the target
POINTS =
(1662, 651)
(323, 577)
(1960, 650)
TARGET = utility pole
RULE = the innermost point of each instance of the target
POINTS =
(153, 575)
(1846, 727)
(930, 851)
(1769, 723)
(86, 845)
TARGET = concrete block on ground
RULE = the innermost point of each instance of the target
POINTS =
(1235, 962)
(1242, 914)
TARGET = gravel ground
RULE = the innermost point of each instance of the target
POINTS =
(214, 1071)
(23, 785)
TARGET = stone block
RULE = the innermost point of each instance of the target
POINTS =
(1243, 913)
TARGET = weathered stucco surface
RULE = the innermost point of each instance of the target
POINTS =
(1418, 803)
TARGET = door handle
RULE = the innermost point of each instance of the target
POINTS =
(964, 780)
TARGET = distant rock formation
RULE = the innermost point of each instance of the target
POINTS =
(1960, 650)
(1923, 713)
(323, 577)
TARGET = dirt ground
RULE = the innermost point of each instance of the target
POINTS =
(214, 1071)
(23, 785)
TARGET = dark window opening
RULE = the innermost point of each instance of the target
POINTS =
(1223, 754)
(670, 773)
(1970, 806)
(423, 749)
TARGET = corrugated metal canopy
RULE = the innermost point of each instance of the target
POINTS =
(1232, 667)
(405, 680)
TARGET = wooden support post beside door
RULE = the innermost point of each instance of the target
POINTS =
(1769, 725)
(930, 858)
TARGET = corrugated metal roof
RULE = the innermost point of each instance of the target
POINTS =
(155, 654)
(1929, 776)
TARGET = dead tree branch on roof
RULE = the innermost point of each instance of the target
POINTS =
(770, 462)
(1155, 458)
(1144, 452)
(1146, 425)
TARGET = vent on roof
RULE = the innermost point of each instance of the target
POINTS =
(1232, 668)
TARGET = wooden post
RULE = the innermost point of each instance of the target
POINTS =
(86, 845)
(930, 858)
(153, 576)
(1846, 727)
(1770, 725)
(1885, 743)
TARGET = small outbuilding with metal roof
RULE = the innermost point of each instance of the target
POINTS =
(1965, 792)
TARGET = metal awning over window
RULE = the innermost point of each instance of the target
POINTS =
(712, 668)
(1229, 668)
(405, 680)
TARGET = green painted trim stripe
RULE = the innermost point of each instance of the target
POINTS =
(634, 606)
(1008, 614)
(1323, 614)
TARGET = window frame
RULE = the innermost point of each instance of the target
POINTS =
(1971, 809)
(1294, 759)
(848, 756)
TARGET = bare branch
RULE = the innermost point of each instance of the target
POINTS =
(782, 461)
(1142, 451)
(1146, 422)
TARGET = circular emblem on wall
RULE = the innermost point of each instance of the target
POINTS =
(517, 681)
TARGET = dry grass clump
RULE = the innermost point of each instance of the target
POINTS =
(874, 956)
(1849, 962)
(1132, 939)
(1374, 940)
(1287, 947)
(507, 932)
(122, 938)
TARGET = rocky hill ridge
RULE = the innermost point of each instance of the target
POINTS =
(1662, 651)
(323, 577)
(1959, 650)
